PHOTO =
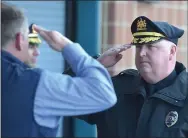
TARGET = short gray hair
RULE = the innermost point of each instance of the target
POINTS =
(13, 21)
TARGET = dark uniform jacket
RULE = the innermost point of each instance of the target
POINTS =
(163, 113)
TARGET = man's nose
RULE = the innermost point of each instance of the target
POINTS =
(36, 52)
(143, 51)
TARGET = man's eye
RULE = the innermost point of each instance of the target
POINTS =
(149, 45)
(138, 46)
(30, 46)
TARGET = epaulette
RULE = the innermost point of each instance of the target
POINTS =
(131, 72)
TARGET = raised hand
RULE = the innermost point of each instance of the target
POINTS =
(110, 57)
(55, 39)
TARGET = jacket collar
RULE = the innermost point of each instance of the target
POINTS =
(174, 94)
(12, 59)
(178, 91)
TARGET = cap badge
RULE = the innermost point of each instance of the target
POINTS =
(141, 25)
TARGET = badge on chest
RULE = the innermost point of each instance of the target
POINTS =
(171, 118)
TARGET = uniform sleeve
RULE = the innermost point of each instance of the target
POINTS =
(92, 119)
(90, 91)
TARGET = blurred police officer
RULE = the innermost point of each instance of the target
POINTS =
(34, 43)
(33, 100)
(153, 100)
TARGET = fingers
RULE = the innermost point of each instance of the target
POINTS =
(119, 49)
(119, 57)
(127, 46)
(123, 47)
(39, 29)
(42, 32)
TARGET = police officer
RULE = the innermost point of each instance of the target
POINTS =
(34, 43)
(152, 100)
(33, 100)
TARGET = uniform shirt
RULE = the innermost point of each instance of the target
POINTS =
(61, 95)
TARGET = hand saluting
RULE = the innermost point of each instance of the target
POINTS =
(55, 39)
(110, 57)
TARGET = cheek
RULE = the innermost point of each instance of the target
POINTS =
(160, 59)
(25, 43)
(137, 54)
(137, 59)
(30, 52)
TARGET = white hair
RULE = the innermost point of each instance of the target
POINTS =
(166, 43)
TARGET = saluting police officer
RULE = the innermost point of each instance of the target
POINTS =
(152, 100)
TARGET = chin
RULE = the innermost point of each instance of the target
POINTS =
(144, 70)
(31, 65)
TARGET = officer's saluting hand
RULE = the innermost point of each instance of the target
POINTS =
(113, 55)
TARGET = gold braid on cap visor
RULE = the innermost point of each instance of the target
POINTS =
(34, 40)
(149, 37)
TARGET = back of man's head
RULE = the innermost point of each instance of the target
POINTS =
(13, 21)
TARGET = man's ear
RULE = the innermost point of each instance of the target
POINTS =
(18, 41)
(172, 52)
